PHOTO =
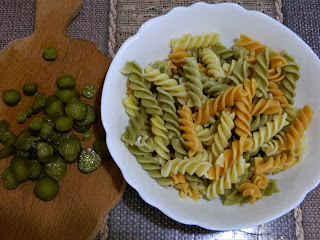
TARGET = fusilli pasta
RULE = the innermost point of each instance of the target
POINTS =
(213, 121)
(190, 133)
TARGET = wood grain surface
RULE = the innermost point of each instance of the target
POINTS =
(84, 199)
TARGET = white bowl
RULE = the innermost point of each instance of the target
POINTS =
(152, 43)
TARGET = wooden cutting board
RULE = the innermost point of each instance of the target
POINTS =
(84, 200)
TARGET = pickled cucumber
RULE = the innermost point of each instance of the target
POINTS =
(7, 137)
(65, 95)
(35, 169)
(55, 108)
(56, 169)
(6, 151)
(46, 188)
(36, 124)
(69, 148)
(100, 146)
(89, 161)
(20, 168)
(64, 123)
(24, 140)
(30, 89)
(46, 130)
(44, 150)
(29, 112)
(87, 135)
(22, 117)
(4, 125)
(50, 53)
(81, 129)
(21, 153)
(89, 91)
(9, 182)
(76, 109)
(90, 117)
(39, 102)
(11, 97)
(50, 159)
(66, 82)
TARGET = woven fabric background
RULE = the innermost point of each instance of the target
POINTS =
(133, 218)
(132, 13)
(303, 17)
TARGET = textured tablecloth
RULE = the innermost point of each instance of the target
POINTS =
(133, 218)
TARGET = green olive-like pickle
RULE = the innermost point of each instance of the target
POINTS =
(36, 168)
(20, 168)
(56, 169)
(90, 117)
(7, 137)
(39, 102)
(36, 124)
(46, 188)
(11, 97)
(4, 125)
(81, 129)
(50, 53)
(89, 91)
(76, 109)
(87, 135)
(66, 82)
(29, 111)
(65, 95)
(69, 148)
(24, 140)
(50, 159)
(6, 151)
(54, 140)
(64, 123)
(9, 182)
(44, 150)
(54, 107)
(46, 130)
(89, 161)
(21, 153)
(100, 146)
(30, 89)
(22, 117)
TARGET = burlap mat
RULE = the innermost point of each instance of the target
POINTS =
(132, 13)
(133, 218)
(303, 17)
